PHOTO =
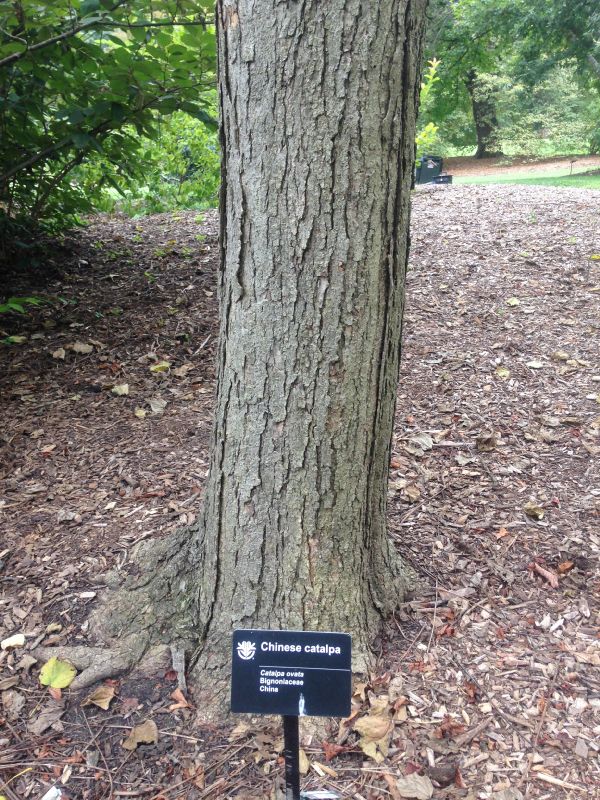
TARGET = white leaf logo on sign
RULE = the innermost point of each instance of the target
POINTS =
(246, 650)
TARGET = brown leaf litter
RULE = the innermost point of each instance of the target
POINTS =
(487, 679)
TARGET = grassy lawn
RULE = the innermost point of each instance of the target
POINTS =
(580, 180)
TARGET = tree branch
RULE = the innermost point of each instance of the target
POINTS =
(53, 183)
(96, 24)
(55, 39)
(55, 147)
(592, 61)
(170, 24)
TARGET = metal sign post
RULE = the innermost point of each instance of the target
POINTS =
(294, 674)
(291, 753)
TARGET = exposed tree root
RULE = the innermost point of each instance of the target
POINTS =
(96, 663)
(158, 600)
(141, 617)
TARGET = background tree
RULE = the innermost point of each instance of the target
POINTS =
(318, 107)
(463, 36)
(499, 62)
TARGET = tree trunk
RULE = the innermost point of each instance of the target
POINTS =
(318, 105)
(484, 116)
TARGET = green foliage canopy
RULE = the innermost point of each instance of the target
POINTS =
(555, 32)
(507, 55)
(82, 77)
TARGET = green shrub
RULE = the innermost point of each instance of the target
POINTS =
(91, 81)
(176, 169)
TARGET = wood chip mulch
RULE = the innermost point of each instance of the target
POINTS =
(487, 680)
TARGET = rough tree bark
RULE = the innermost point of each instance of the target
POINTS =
(318, 104)
(484, 116)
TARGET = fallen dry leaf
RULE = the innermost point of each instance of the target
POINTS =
(331, 750)
(375, 731)
(48, 716)
(565, 566)
(510, 793)
(487, 442)
(80, 347)
(12, 704)
(411, 493)
(444, 775)
(100, 697)
(157, 405)
(304, 762)
(373, 727)
(26, 663)
(129, 705)
(415, 786)
(180, 701)
(533, 510)
(54, 627)
(391, 782)
(146, 733)
(181, 372)
(449, 729)
(590, 656)
(419, 443)
(241, 729)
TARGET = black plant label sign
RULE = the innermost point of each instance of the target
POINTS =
(294, 673)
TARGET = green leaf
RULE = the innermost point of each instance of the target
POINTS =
(206, 118)
(81, 140)
(57, 674)
(160, 366)
(15, 340)
(89, 6)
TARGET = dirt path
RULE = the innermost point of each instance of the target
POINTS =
(464, 167)
(488, 679)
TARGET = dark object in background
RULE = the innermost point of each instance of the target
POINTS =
(429, 170)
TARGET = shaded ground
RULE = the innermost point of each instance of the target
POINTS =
(488, 680)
